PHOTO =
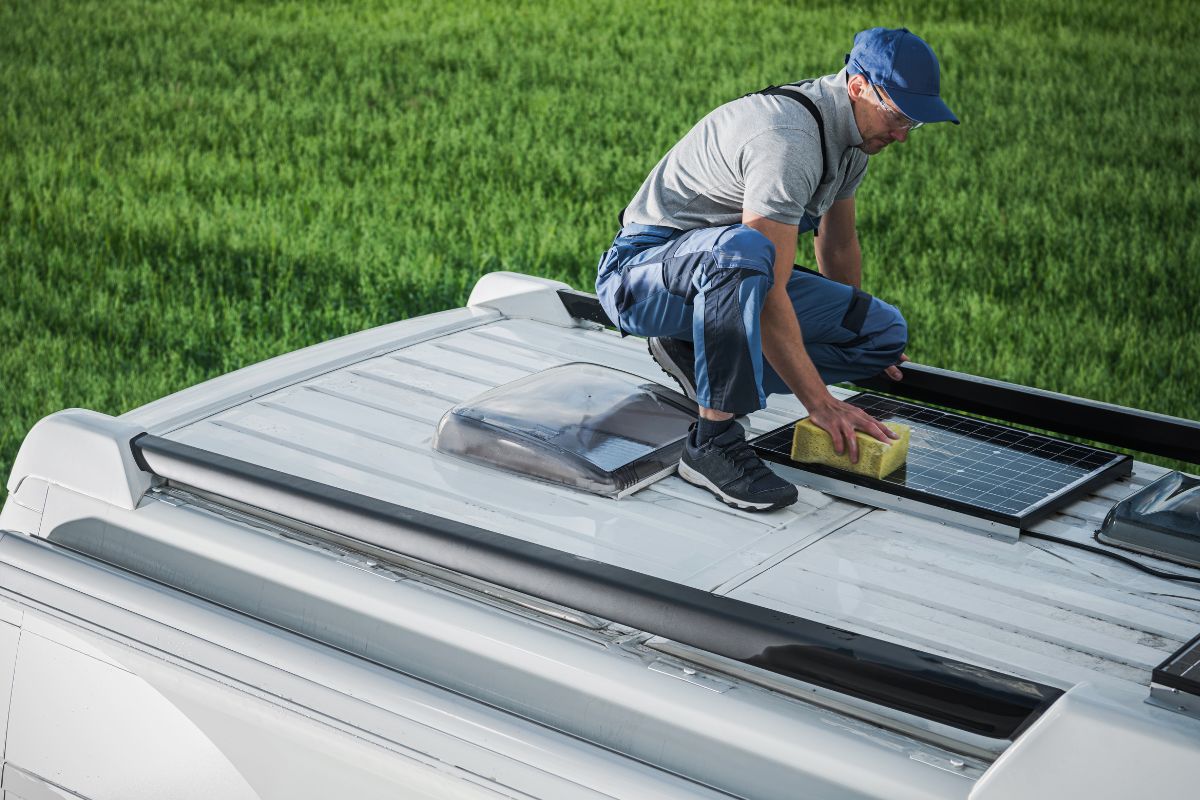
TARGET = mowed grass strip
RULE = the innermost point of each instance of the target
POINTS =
(186, 189)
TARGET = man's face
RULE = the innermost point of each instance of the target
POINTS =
(879, 121)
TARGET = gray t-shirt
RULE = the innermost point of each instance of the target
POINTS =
(761, 153)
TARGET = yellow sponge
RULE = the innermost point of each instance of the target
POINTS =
(811, 445)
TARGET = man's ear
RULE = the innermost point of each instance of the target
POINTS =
(856, 85)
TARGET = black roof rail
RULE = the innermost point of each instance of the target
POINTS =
(1144, 431)
(953, 693)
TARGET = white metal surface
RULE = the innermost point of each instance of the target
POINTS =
(23, 509)
(1099, 744)
(9, 636)
(369, 427)
(745, 740)
(522, 297)
(85, 450)
(258, 379)
(309, 654)
(1033, 607)
(67, 704)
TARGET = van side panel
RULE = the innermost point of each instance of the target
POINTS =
(150, 730)
(10, 635)
(103, 732)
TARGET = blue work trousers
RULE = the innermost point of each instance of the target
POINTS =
(708, 286)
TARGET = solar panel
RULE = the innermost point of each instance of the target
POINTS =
(1175, 683)
(1001, 475)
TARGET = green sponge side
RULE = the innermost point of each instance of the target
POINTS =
(812, 445)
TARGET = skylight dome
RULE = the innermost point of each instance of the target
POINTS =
(1163, 519)
(580, 425)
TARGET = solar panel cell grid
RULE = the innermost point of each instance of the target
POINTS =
(971, 464)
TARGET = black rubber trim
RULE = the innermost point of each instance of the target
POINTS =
(1144, 431)
(953, 693)
(582, 305)
(1107, 553)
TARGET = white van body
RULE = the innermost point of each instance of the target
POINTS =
(162, 641)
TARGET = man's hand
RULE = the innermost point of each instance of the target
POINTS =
(840, 420)
(894, 372)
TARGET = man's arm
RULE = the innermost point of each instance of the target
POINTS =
(783, 346)
(836, 247)
(840, 258)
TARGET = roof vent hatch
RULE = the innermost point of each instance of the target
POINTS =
(580, 425)
(1163, 519)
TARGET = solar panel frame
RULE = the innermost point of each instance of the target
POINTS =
(957, 435)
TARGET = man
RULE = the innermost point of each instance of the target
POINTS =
(703, 264)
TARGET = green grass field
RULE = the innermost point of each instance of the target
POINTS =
(189, 188)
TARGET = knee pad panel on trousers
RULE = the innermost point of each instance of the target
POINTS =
(742, 247)
(888, 329)
(728, 340)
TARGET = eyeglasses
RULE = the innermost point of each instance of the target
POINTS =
(899, 119)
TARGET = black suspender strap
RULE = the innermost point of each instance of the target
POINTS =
(804, 100)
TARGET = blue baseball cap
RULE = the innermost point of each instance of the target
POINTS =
(900, 61)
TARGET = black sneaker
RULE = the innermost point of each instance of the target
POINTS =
(728, 467)
(677, 357)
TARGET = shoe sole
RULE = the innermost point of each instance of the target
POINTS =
(695, 478)
(668, 365)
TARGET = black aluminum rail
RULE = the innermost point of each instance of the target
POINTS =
(1144, 431)
(953, 693)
